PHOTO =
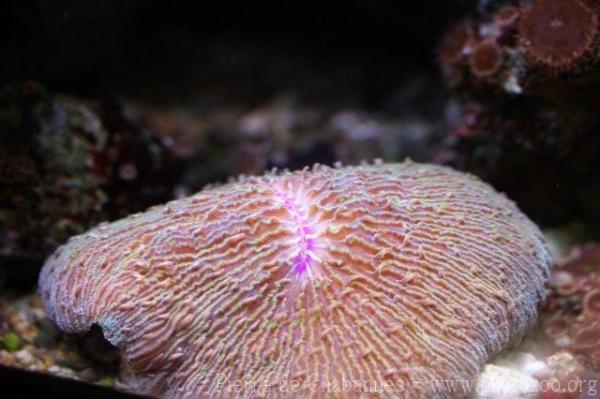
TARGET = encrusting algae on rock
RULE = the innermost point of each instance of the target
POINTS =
(387, 277)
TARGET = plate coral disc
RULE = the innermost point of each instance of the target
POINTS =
(387, 279)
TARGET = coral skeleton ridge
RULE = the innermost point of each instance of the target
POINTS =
(295, 281)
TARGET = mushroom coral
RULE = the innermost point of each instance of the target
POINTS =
(386, 279)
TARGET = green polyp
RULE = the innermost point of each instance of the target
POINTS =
(12, 342)
(106, 382)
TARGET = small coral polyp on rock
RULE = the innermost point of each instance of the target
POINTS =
(486, 59)
(558, 33)
(298, 284)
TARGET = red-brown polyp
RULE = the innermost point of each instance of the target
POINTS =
(591, 302)
(558, 32)
(456, 42)
(288, 284)
(506, 16)
(486, 59)
(587, 338)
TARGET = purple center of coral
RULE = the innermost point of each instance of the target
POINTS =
(304, 241)
(301, 263)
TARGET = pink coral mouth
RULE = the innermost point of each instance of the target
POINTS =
(302, 226)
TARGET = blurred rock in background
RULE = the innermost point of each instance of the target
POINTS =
(522, 114)
(65, 165)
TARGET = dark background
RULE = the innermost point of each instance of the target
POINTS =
(235, 50)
